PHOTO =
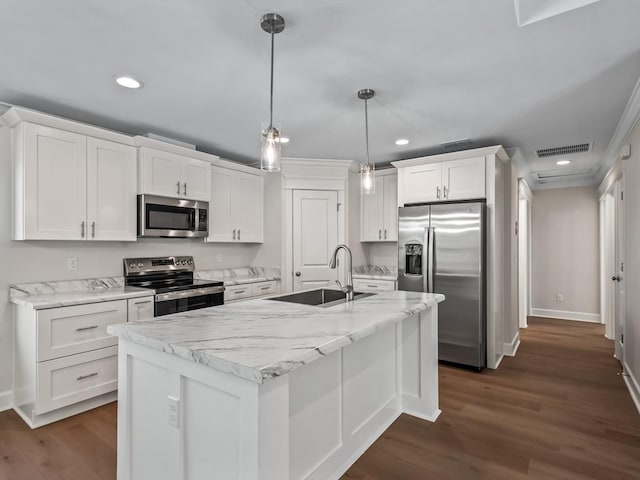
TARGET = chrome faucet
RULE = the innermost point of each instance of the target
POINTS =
(348, 287)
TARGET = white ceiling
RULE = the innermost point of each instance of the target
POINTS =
(442, 71)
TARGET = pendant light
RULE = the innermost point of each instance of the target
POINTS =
(367, 170)
(271, 23)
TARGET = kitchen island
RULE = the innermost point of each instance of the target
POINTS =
(272, 390)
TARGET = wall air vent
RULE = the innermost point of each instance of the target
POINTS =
(561, 174)
(567, 150)
(457, 144)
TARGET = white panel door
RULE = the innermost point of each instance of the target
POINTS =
(161, 173)
(464, 179)
(220, 207)
(55, 195)
(390, 208)
(247, 207)
(371, 216)
(111, 191)
(422, 183)
(195, 179)
(315, 236)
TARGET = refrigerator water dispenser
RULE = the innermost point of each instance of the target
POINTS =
(413, 259)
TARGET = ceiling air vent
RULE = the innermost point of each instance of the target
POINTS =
(568, 150)
(457, 144)
(551, 174)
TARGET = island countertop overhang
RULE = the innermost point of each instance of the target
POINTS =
(263, 339)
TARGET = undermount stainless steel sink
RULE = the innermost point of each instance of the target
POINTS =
(322, 297)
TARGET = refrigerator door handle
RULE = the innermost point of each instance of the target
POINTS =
(431, 237)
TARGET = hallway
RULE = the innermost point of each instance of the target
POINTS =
(558, 410)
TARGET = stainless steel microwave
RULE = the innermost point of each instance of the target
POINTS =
(172, 217)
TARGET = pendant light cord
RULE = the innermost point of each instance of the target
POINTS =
(366, 127)
(271, 93)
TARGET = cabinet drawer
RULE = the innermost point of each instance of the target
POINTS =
(363, 285)
(68, 380)
(140, 309)
(264, 288)
(70, 330)
(236, 292)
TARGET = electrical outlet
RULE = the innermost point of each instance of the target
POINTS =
(72, 263)
(560, 297)
(219, 257)
(174, 412)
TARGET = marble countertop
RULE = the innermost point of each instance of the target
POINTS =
(375, 272)
(240, 276)
(65, 293)
(262, 339)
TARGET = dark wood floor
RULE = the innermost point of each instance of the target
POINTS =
(556, 411)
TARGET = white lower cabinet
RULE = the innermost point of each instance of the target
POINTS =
(247, 291)
(365, 285)
(65, 362)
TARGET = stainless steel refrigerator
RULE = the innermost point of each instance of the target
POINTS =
(441, 249)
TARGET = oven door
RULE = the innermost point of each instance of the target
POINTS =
(171, 217)
(186, 300)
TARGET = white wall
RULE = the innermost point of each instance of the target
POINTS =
(33, 261)
(565, 252)
(632, 262)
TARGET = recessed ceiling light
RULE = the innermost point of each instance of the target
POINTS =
(563, 162)
(128, 82)
(402, 141)
(284, 139)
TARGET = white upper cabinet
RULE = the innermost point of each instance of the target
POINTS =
(461, 179)
(70, 186)
(172, 175)
(379, 211)
(236, 211)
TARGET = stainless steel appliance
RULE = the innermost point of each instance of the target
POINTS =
(172, 279)
(172, 217)
(441, 248)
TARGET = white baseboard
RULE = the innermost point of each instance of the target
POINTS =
(6, 400)
(566, 315)
(632, 385)
(510, 349)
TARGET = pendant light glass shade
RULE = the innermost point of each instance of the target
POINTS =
(270, 152)
(367, 178)
(367, 170)
(271, 23)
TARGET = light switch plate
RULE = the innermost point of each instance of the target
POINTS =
(174, 412)
(72, 263)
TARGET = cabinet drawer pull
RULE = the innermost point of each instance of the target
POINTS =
(82, 329)
(142, 302)
(265, 288)
(82, 377)
(372, 286)
(238, 292)
(178, 185)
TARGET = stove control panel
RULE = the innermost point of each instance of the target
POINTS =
(137, 266)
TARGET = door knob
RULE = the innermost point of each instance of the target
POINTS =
(297, 274)
(616, 279)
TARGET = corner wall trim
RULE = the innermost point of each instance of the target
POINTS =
(632, 385)
(566, 315)
(510, 349)
(6, 400)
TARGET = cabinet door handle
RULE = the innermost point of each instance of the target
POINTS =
(238, 234)
(379, 234)
(178, 185)
(82, 329)
(438, 193)
(93, 229)
(385, 233)
(234, 233)
(82, 229)
(445, 193)
(82, 377)
(185, 188)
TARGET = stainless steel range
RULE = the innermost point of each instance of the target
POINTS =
(172, 279)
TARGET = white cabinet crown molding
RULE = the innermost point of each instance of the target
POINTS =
(496, 150)
(16, 115)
